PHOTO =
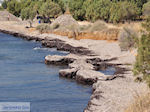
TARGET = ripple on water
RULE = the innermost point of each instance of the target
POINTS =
(51, 50)
(3, 57)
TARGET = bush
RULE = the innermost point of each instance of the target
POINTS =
(127, 38)
(85, 27)
(98, 26)
(44, 28)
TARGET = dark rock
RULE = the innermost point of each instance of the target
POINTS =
(68, 73)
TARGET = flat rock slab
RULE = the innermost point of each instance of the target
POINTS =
(81, 64)
(89, 76)
(68, 73)
(59, 60)
(79, 68)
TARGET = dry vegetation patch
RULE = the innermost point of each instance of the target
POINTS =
(140, 104)
(66, 25)
(44, 28)
(127, 38)
(98, 26)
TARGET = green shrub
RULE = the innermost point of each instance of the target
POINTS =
(127, 38)
(44, 28)
(142, 65)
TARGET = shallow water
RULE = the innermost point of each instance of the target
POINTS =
(108, 71)
(25, 78)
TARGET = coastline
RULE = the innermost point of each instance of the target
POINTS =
(110, 93)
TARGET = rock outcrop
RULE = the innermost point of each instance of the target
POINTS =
(60, 45)
(79, 68)
(66, 22)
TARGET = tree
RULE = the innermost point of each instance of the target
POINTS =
(89, 8)
(76, 9)
(50, 10)
(123, 11)
(28, 14)
(62, 4)
(4, 4)
(14, 7)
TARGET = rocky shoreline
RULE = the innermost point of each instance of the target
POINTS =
(51, 43)
(84, 70)
(78, 66)
(83, 66)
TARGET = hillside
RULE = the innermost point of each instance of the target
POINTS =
(6, 16)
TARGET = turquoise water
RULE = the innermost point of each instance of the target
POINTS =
(25, 78)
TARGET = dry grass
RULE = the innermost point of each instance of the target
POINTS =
(44, 28)
(135, 25)
(98, 26)
(108, 34)
(141, 104)
(84, 27)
